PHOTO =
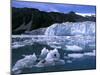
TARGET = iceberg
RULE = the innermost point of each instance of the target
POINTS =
(44, 53)
(45, 63)
(52, 59)
(73, 48)
(53, 54)
(93, 53)
(27, 62)
(69, 61)
(76, 55)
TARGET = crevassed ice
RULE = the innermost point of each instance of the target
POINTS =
(70, 28)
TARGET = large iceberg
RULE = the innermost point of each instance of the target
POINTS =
(52, 59)
(70, 28)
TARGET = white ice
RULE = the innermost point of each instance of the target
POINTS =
(93, 53)
(69, 28)
(53, 54)
(44, 53)
(26, 62)
(76, 55)
(52, 59)
(73, 48)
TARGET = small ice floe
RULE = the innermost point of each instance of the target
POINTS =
(76, 55)
(54, 46)
(93, 53)
(56, 43)
(73, 48)
(45, 63)
(28, 42)
(50, 62)
(17, 45)
(66, 57)
(69, 61)
(92, 46)
(44, 53)
(27, 62)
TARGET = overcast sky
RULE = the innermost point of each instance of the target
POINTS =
(48, 7)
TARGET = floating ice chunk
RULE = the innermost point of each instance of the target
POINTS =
(53, 54)
(50, 62)
(46, 63)
(54, 46)
(18, 45)
(76, 55)
(60, 62)
(44, 53)
(69, 61)
(90, 53)
(57, 43)
(92, 46)
(27, 62)
(52, 58)
(66, 57)
(73, 48)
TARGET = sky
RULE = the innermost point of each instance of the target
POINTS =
(52, 7)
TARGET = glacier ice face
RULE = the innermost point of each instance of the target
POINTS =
(69, 28)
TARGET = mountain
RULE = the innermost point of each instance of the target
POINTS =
(29, 19)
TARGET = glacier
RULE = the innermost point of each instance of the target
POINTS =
(71, 28)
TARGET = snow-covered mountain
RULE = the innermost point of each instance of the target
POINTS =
(86, 14)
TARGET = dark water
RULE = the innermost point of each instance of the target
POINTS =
(85, 63)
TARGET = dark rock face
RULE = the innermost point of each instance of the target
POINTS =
(28, 19)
